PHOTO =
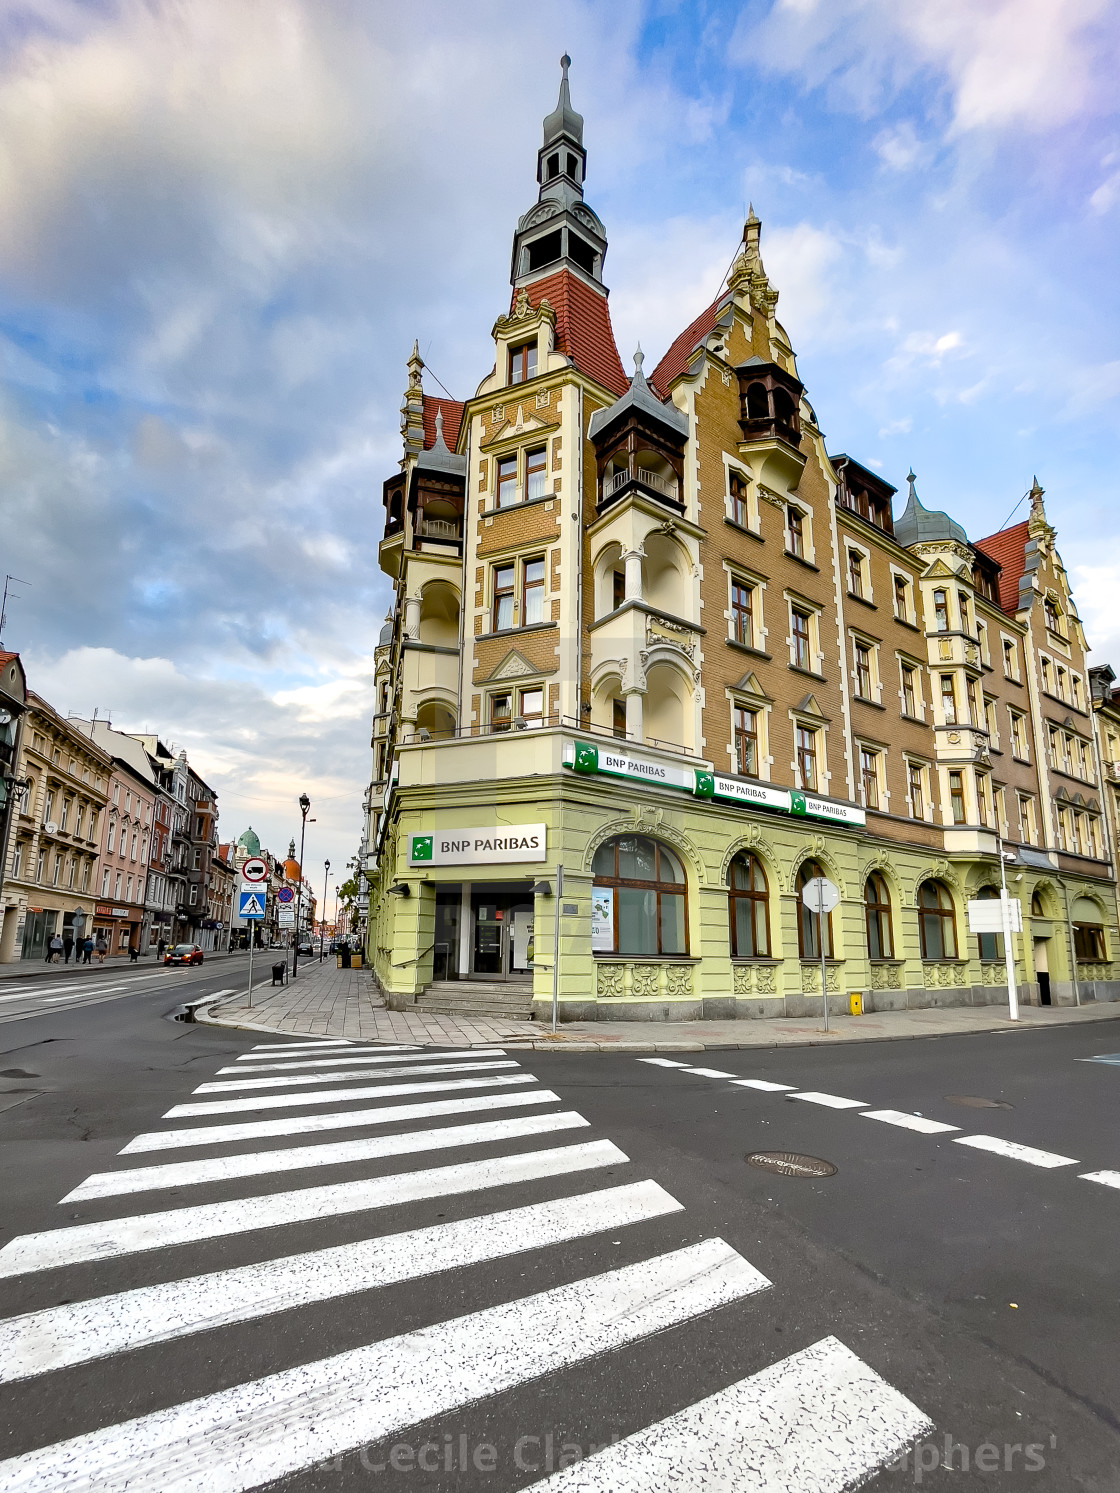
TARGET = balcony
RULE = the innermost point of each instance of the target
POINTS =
(667, 489)
(438, 528)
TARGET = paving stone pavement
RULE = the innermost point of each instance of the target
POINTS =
(326, 1001)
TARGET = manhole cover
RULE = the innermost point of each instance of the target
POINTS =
(973, 1101)
(790, 1164)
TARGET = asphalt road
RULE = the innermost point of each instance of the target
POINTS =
(597, 1267)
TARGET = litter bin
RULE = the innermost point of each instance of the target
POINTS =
(279, 971)
(355, 961)
(338, 961)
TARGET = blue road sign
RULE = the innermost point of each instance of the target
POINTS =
(251, 905)
(285, 894)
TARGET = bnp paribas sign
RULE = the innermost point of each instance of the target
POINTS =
(488, 845)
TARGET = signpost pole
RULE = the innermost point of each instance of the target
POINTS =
(820, 896)
(1005, 915)
(556, 947)
(252, 940)
(824, 973)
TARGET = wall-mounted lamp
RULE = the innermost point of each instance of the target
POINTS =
(541, 889)
(400, 889)
(520, 723)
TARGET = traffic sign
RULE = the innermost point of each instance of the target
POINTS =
(254, 869)
(820, 894)
(286, 918)
(251, 905)
(285, 894)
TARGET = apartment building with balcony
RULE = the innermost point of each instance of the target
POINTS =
(650, 638)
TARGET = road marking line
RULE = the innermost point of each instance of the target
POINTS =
(1014, 1151)
(337, 1096)
(269, 1428)
(709, 1073)
(274, 1047)
(663, 1062)
(356, 1058)
(908, 1122)
(87, 1242)
(213, 1135)
(1106, 1057)
(349, 1076)
(303, 1158)
(258, 1057)
(39, 1342)
(819, 1419)
(1106, 1179)
(42, 989)
(830, 1101)
(81, 995)
(764, 1084)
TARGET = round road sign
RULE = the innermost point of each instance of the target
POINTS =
(254, 869)
(285, 894)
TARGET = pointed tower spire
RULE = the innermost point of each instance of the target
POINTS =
(748, 273)
(561, 231)
(412, 405)
(639, 359)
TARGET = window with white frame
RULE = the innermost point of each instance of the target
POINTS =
(863, 670)
(1046, 670)
(743, 610)
(870, 776)
(807, 746)
(910, 679)
(859, 581)
(1028, 825)
(745, 723)
(984, 798)
(982, 641)
(1010, 658)
(991, 722)
(903, 608)
(917, 789)
(1018, 734)
(803, 637)
(799, 532)
(738, 498)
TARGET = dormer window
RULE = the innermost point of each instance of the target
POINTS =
(522, 362)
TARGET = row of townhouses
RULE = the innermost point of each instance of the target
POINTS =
(103, 834)
(657, 657)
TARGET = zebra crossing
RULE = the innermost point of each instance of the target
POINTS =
(818, 1419)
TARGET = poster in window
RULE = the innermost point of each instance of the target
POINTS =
(602, 919)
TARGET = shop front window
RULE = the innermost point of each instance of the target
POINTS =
(648, 901)
(749, 908)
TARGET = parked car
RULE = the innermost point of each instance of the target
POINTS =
(184, 953)
(307, 947)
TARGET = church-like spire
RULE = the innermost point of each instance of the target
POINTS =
(561, 230)
(748, 273)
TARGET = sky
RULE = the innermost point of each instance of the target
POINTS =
(223, 222)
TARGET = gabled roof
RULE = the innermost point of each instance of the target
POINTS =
(1008, 549)
(452, 418)
(583, 328)
(675, 361)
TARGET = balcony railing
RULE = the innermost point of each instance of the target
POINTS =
(437, 528)
(665, 486)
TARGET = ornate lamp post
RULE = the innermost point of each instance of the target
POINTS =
(304, 805)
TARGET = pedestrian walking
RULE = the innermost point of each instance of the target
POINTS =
(87, 949)
(133, 953)
(101, 948)
(161, 947)
(54, 949)
(67, 947)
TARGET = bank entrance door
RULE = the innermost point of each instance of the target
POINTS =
(502, 933)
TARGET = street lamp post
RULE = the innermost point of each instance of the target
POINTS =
(304, 805)
(323, 914)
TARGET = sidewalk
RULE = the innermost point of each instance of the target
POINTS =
(325, 1001)
(30, 969)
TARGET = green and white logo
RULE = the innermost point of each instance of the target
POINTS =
(705, 784)
(796, 802)
(421, 848)
(587, 757)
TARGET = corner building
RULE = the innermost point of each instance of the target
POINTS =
(656, 658)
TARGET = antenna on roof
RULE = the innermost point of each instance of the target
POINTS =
(8, 579)
(1015, 510)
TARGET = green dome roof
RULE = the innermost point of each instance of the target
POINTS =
(250, 841)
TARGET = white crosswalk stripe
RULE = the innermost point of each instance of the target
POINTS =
(818, 1420)
(293, 1080)
(300, 1158)
(74, 1333)
(821, 1419)
(216, 1135)
(335, 1096)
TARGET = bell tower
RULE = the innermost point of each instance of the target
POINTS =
(561, 231)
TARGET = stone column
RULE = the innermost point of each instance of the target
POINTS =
(632, 559)
(635, 707)
(412, 616)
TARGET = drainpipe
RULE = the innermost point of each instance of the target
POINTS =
(1072, 947)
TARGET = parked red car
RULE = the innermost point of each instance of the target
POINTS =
(183, 953)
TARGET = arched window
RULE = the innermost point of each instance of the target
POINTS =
(641, 898)
(749, 908)
(877, 900)
(990, 944)
(1088, 931)
(936, 922)
(1037, 909)
(808, 923)
(758, 403)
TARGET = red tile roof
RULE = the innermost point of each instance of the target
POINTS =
(452, 419)
(1008, 550)
(6, 658)
(675, 361)
(583, 327)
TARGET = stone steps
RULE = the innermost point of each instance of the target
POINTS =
(507, 1002)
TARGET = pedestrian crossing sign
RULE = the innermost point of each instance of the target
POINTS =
(251, 904)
